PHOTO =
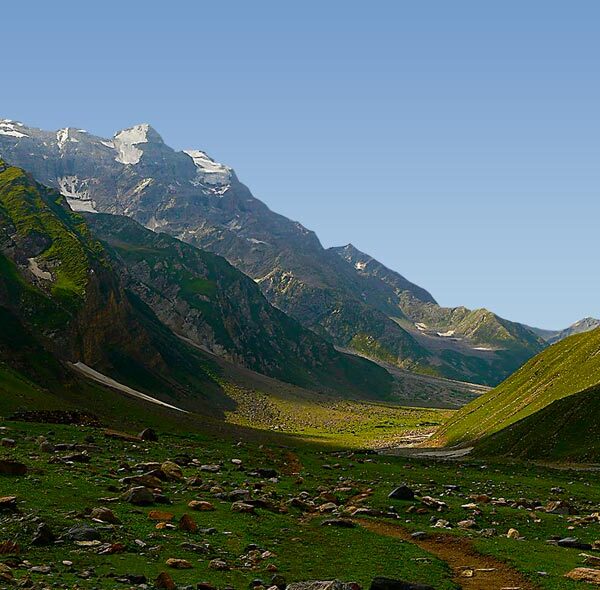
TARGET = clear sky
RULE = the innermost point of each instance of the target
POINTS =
(456, 141)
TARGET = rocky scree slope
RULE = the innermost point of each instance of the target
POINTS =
(201, 297)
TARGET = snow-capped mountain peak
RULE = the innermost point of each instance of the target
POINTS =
(126, 143)
(209, 174)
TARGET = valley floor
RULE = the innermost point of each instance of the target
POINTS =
(237, 509)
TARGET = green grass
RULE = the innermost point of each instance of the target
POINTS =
(564, 369)
(59, 494)
(565, 430)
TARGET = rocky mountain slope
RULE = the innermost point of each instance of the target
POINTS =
(204, 299)
(341, 294)
(566, 368)
(553, 336)
(65, 298)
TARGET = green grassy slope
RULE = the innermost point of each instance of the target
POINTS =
(564, 369)
(566, 430)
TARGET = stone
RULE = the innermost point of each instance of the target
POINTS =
(238, 495)
(165, 582)
(179, 564)
(8, 442)
(9, 467)
(9, 548)
(323, 585)
(8, 503)
(267, 473)
(402, 492)
(434, 503)
(43, 535)
(218, 564)
(381, 583)
(140, 496)
(149, 434)
(210, 468)
(105, 515)
(585, 574)
(466, 524)
(6, 573)
(590, 559)
(573, 543)
(200, 506)
(172, 471)
(279, 581)
(82, 533)
(187, 523)
(242, 508)
(513, 534)
(160, 515)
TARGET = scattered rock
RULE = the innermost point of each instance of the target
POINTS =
(200, 506)
(210, 468)
(573, 543)
(8, 442)
(402, 492)
(82, 533)
(165, 582)
(105, 515)
(43, 535)
(140, 496)
(187, 523)
(172, 471)
(149, 434)
(179, 564)
(160, 515)
(6, 573)
(8, 503)
(218, 564)
(585, 574)
(9, 467)
(242, 507)
(513, 534)
(381, 583)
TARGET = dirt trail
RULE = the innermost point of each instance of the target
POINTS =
(472, 570)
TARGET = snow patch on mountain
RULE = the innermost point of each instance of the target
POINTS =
(77, 193)
(63, 136)
(126, 143)
(10, 128)
(210, 175)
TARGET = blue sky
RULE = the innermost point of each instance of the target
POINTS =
(457, 142)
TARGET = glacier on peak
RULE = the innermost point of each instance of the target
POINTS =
(126, 142)
(210, 174)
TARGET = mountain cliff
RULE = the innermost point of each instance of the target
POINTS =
(371, 310)
(69, 301)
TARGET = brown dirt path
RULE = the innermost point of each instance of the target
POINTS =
(472, 570)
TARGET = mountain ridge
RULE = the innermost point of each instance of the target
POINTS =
(193, 198)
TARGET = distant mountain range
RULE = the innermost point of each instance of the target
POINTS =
(117, 301)
(341, 294)
(553, 336)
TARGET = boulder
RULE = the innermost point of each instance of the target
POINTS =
(149, 434)
(82, 533)
(172, 471)
(381, 583)
(402, 492)
(10, 467)
(140, 496)
(43, 535)
(585, 574)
